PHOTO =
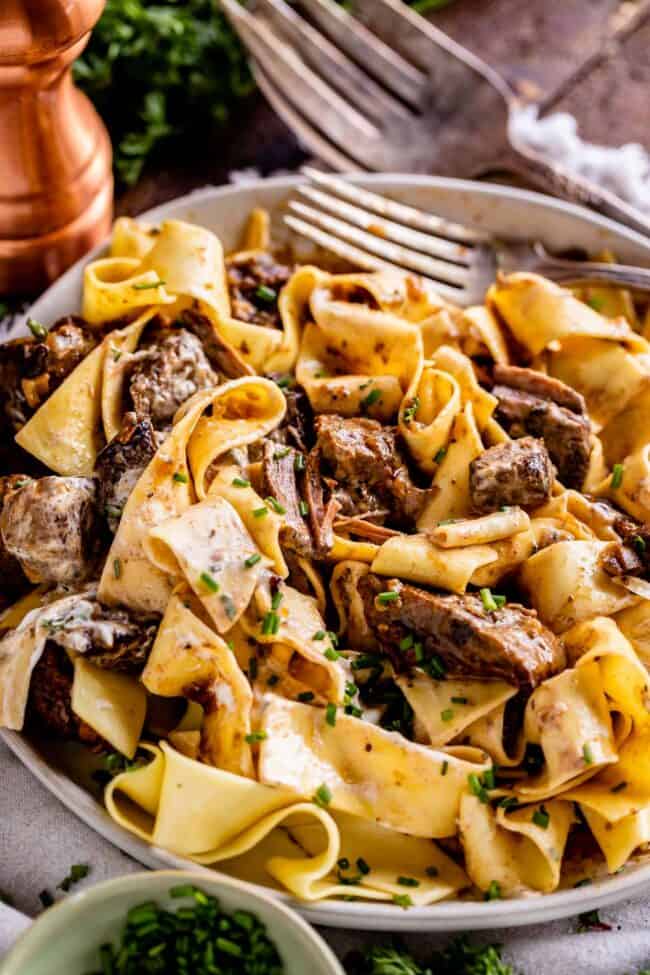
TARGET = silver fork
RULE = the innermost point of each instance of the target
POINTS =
(372, 232)
(379, 91)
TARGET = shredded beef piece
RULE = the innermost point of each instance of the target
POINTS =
(223, 358)
(166, 372)
(111, 638)
(366, 464)
(280, 482)
(120, 464)
(321, 511)
(565, 429)
(515, 473)
(508, 644)
(297, 427)
(49, 702)
(51, 526)
(248, 276)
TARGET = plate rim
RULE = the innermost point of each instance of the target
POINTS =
(443, 916)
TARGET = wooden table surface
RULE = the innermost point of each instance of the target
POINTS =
(587, 57)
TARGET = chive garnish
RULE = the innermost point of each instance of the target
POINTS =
(477, 788)
(410, 411)
(619, 787)
(436, 667)
(617, 476)
(493, 893)
(146, 286)
(447, 714)
(387, 597)
(406, 643)
(252, 668)
(77, 872)
(319, 635)
(639, 544)
(439, 455)
(228, 605)
(283, 382)
(260, 512)
(275, 504)
(252, 560)
(209, 582)
(117, 568)
(587, 755)
(322, 796)
(38, 331)
(444, 768)
(299, 463)
(408, 882)
(371, 398)
(363, 866)
(264, 293)
(418, 652)
(330, 714)
(402, 900)
(282, 453)
(256, 736)
(180, 477)
(304, 508)
(305, 696)
(432, 871)
(331, 654)
(488, 600)
(270, 624)
(276, 599)
(541, 818)
(459, 700)
(241, 482)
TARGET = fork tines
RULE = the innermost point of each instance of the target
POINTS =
(374, 232)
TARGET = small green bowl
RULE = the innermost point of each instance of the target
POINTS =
(65, 939)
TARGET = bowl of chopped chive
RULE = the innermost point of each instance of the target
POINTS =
(173, 923)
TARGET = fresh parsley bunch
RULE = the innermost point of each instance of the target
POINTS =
(157, 70)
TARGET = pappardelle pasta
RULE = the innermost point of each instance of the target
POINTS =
(348, 585)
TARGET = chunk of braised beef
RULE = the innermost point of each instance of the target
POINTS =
(50, 694)
(255, 280)
(51, 526)
(509, 644)
(297, 427)
(516, 473)
(169, 368)
(223, 358)
(322, 505)
(280, 481)
(532, 404)
(370, 472)
(120, 463)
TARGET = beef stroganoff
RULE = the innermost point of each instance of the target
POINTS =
(358, 578)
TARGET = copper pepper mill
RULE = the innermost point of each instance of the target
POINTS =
(56, 186)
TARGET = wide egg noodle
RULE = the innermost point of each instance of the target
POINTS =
(132, 238)
(443, 709)
(189, 657)
(113, 704)
(117, 287)
(209, 546)
(64, 433)
(433, 400)
(538, 312)
(394, 782)
(510, 849)
(619, 840)
(633, 492)
(450, 497)
(417, 559)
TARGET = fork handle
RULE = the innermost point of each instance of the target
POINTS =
(588, 272)
(557, 181)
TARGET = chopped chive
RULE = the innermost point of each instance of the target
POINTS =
(209, 582)
(304, 508)
(275, 504)
(241, 482)
(596, 303)
(387, 597)
(252, 668)
(587, 754)
(410, 411)
(331, 654)
(299, 463)
(252, 560)
(585, 882)
(319, 635)
(619, 787)
(231, 645)
(366, 661)
(330, 714)
(617, 476)
(180, 477)
(447, 714)
(406, 643)
(436, 667)
(639, 544)
(371, 398)
(276, 599)
(508, 803)
(477, 788)
(489, 603)
(418, 651)
(38, 331)
(182, 890)
(541, 818)
(432, 871)
(363, 866)
(264, 293)
(146, 286)
(439, 456)
(493, 893)
(228, 947)
(306, 696)
(333, 637)
(444, 768)
(402, 900)
(488, 778)
(282, 453)
(260, 512)
(322, 796)
(256, 736)
(117, 568)
(270, 624)
(408, 882)
(343, 863)
(228, 605)
(459, 700)
(283, 382)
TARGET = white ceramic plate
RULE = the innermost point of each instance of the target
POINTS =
(503, 211)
